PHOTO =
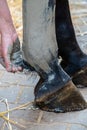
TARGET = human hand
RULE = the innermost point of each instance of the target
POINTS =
(10, 53)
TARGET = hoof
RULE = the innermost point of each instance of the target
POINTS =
(80, 78)
(79, 75)
(65, 99)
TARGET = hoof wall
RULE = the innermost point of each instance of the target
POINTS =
(66, 99)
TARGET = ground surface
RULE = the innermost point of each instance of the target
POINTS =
(18, 88)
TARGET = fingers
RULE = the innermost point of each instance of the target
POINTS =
(14, 68)
(10, 67)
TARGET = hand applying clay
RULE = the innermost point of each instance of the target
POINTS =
(10, 45)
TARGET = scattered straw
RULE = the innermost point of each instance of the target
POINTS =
(7, 119)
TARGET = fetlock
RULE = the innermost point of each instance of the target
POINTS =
(75, 64)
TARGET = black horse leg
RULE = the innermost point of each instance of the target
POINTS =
(74, 59)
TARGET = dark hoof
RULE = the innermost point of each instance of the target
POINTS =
(65, 99)
(78, 74)
(80, 78)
